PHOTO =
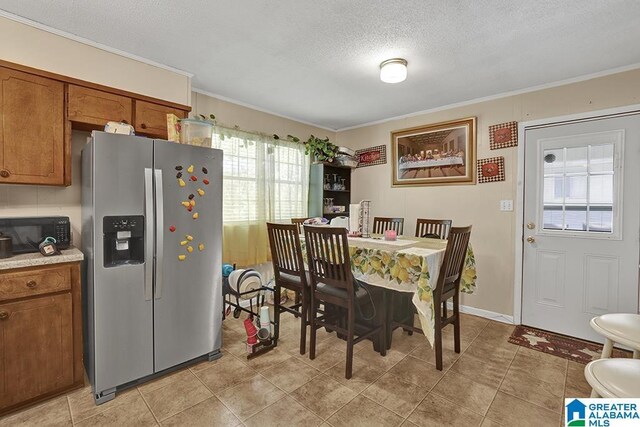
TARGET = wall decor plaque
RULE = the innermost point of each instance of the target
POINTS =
(372, 156)
(491, 169)
(503, 135)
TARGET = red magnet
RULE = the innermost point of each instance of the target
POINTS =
(172, 228)
(206, 181)
(193, 178)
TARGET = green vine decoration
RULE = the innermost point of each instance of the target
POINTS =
(322, 150)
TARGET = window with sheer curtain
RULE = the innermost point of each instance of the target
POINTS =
(264, 180)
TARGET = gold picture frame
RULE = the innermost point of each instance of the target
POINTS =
(437, 154)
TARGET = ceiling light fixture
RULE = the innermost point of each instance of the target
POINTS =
(393, 70)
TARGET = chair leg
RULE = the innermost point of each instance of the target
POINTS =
(438, 334)
(303, 323)
(312, 322)
(607, 349)
(456, 322)
(408, 307)
(350, 332)
(276, 313)
(390, 317)
(384, 324)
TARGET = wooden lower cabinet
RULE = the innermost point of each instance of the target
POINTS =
(40, 343)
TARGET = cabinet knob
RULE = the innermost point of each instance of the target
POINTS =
(32, 284)
(4, 173)
(4, 315)
(143, 126)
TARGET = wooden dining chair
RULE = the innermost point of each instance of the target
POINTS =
(434, 228)
(447, 287)
(289, 273)
(381, 224)
(298, 222)
(332, 283)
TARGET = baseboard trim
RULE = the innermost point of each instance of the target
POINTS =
(491, 315)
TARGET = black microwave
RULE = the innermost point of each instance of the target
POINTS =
(28, 232)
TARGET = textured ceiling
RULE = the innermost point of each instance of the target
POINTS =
(317, 61)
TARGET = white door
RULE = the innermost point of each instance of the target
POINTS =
(581, 223)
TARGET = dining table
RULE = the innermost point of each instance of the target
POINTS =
(407, 264)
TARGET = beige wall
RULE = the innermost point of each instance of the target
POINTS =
(42, 200)
(229, 114)
(31, 200)
(493, 234)
(40, 49)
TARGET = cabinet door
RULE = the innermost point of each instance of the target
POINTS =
(36, 347)
(31, 129)
(96, 108)
(151, 119)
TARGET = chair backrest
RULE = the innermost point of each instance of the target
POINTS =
(433, 227)
(328, 256)
(381, 224)
(298, 222)
(454, 257)
(286, 251)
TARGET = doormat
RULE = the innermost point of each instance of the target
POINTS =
(560, 345)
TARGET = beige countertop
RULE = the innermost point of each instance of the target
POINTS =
(33, 259)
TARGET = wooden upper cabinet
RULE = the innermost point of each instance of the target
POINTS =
(95, 107)
(36, 347)
(151, 119)
(32, 140)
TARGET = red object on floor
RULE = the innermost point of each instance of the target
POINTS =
(251, 331)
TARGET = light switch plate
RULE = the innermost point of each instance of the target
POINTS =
(506, 205)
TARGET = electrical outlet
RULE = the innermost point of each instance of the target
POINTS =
(506, 205)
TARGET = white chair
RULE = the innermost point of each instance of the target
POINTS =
(621, 328)
(614, 378)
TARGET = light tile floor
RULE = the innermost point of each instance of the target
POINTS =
(491, 383)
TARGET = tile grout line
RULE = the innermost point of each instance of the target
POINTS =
(149, 407)
(69, 408)
(215, 395)
(533, 403)
(500, 385)
(447, 370)
(273, 403)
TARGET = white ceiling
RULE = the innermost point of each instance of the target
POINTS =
(317, 61)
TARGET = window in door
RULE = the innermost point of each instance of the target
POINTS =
(580, 191)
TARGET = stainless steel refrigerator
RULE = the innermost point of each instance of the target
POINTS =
(152, 238)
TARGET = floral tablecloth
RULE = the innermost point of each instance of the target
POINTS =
(410, 264)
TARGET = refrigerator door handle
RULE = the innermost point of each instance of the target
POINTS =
(160, 228)
(148, 225)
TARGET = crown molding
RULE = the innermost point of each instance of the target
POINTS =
(262, 110)
(500, 95)
(57, 32)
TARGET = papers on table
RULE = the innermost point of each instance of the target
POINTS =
(381, 241)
